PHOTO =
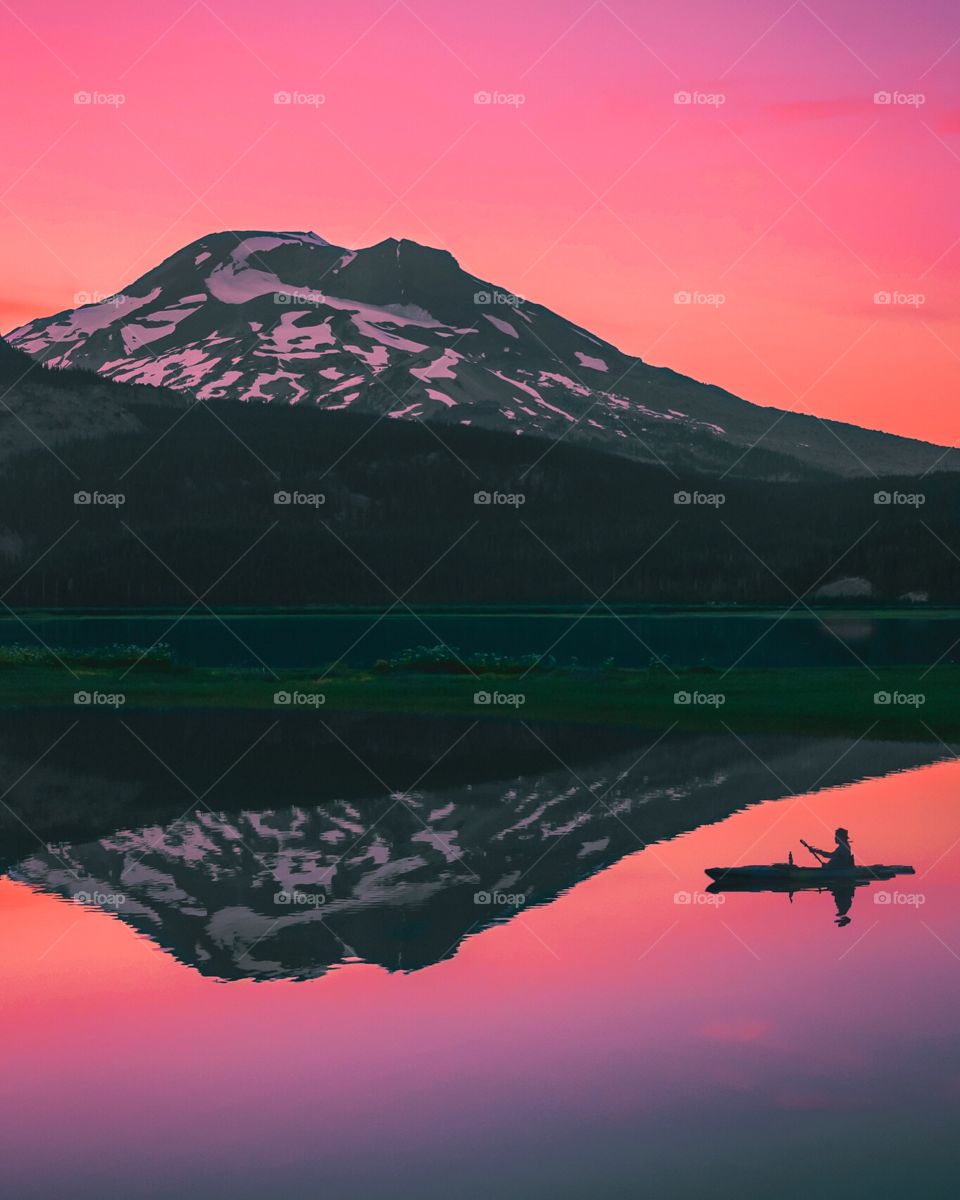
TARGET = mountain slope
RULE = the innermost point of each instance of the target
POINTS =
(44, 409)
(401, 329)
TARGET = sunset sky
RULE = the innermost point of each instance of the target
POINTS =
(785, 190)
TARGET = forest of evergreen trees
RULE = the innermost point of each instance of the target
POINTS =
(399, 513)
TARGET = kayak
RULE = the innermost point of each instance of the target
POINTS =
(789, 873)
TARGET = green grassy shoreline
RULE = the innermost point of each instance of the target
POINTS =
(815, 700)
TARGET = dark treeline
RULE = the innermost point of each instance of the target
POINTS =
(398, 495)
(98, 793)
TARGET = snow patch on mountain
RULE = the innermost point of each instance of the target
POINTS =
(435, 395)
(276, 385)
(217, 389)
(154, 327)
(82, 322)
(291, 339)
(548, 378)
(236, 283)
(377, 357)
(440, 368)
(553, 408)
(184, 369)
(595, 364)
(503, 326)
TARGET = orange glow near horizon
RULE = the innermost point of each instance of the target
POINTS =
(797, 199)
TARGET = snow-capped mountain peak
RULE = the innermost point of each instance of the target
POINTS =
(401, 329)
(289, 317)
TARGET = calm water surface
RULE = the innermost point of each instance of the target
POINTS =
(615, 1032)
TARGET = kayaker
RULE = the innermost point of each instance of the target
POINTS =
(841, 855)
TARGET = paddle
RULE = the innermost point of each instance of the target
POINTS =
(816, 853)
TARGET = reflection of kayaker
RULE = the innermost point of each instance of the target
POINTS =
(843, 898)
(840, 856)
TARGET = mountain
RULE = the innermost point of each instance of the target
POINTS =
(399, 883)
(401, 329)
(199, 485)
(43, 409)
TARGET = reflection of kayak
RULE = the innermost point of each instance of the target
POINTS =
(785, 875)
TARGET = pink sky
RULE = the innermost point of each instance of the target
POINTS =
(598, 195)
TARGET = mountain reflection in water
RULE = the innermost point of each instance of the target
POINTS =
(386, 841)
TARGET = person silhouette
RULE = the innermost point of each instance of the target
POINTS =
(840, 856)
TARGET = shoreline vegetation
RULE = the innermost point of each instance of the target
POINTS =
(915, 703)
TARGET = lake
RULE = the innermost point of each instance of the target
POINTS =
(432, 959)
(750, 639)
